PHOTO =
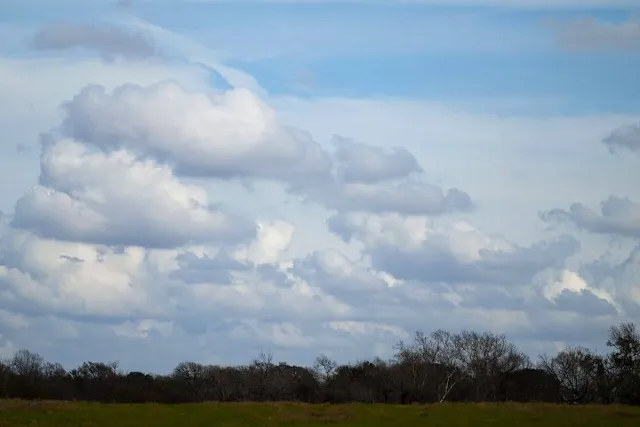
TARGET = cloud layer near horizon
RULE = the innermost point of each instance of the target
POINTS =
(161, 214)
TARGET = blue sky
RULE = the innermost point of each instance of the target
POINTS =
(360, 49)
(204, 180)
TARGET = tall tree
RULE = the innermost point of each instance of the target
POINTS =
(625, 340)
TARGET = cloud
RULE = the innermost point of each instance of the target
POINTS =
(568, 291)
(108, 41)
(437, 132)
(183, 48)
(584, 302)
(234, 134)
(589, 34)
(412, 197)
(411, 249)
(362, 163)
(273, 239)
(617, 277)
(98, 283)
(114, 199)
(32, 90)
(225, 135)
(132, 233)
(218, 269)
(337, 275)
(624, 138)
(618, 215)
(37, 277)
(515, 267)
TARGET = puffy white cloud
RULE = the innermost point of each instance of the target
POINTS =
(49, 276)
(273, 239)
(337, 275)
(391, 229)
(211, 265)
(32, 90)
(234, 134)
(114, 199)
(135, 284)
(229, 134)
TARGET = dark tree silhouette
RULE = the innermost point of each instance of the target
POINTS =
(436, 367)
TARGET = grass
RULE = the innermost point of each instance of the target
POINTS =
(14, 413)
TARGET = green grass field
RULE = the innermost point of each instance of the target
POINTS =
(22, 413)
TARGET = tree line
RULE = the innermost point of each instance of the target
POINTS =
(436, 367)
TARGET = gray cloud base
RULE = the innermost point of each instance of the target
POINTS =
(624, 138)
(618, 216)
(109, 41)
(589, 34)
(358, 162)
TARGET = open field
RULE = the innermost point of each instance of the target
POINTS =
(15, 413)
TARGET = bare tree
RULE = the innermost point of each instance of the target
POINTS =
(262, 370)
(576, 370)
(192, 375)
(439, 366)
(26, 363)
(324, 367)
(484, 359)
(425, 354)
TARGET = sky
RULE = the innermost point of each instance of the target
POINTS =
(208, 180)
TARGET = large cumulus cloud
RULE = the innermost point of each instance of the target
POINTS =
(114, 199)
(234, 134)
(227, 134)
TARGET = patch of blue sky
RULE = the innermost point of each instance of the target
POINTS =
(406, 50)
(583, 82)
